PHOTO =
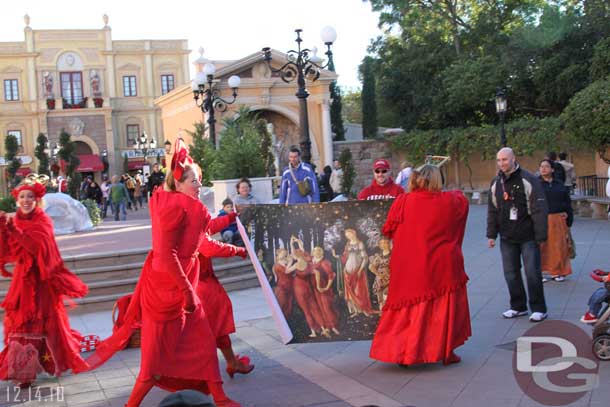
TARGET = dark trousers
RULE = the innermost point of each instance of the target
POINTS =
(512, 253)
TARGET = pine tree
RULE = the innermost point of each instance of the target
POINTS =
(41, 155)
(369, 102)
(336, 114)
(202, 151)
(11, 146)
(67, 153)
(349, 173)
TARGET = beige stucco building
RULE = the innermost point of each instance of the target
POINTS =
(100, 90)
(263, 91)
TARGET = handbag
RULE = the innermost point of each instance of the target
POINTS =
(303, 186)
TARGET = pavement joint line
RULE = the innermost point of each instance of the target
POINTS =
(264, 343)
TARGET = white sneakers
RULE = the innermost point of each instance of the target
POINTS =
(511, 313)
(538, 316)
(535, 317)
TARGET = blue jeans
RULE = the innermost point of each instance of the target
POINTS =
(512, 253)
(116, 206)
(597, 300)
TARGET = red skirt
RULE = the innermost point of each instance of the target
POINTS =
(178, 351)
(216, 305)
(426, 332)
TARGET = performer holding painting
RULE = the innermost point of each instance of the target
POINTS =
(178, 345)
(426, 315)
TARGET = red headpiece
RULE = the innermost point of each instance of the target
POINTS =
(34, 183)
(180, 159)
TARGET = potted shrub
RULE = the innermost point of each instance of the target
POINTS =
(98, 102)
(51, 104)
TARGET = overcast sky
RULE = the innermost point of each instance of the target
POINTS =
(226, 29)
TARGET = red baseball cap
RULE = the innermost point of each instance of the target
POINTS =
(381, 163)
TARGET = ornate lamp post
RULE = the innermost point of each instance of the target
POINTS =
(303, 63)
(144, 144)
(501, 106)
(207, 95)
(104, 156)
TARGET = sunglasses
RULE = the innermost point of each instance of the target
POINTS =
(380, 171)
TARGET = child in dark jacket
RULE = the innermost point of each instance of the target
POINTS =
(230, 233)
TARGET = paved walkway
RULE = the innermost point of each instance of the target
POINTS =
(341, 374)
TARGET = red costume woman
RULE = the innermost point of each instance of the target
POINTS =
(324, 276)
(178, 346)
(216, 303)
(426, 315)
(284, 287)
(37, 333)
(304, 290)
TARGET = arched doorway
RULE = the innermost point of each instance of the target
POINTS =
(90, 163)
(286, 134)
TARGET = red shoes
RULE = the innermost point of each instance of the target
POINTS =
(243, 366)
(600, 272)
(453, 358)
(588, 318)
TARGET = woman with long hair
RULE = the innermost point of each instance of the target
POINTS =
(37, 333)
(554, 252)
(425, 316)
(178, 346)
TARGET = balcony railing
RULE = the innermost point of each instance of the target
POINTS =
(592, 185)
(80, 105)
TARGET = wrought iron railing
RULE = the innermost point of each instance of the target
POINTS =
(592, 185)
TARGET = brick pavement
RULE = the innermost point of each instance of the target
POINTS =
(341, 374)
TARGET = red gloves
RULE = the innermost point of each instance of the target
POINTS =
(241, 252)
(232, 216)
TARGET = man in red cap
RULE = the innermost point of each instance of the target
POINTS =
(382, 186)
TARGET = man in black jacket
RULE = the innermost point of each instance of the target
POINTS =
(517, 210)
(155, 179)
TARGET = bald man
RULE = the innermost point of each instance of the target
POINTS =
(517, 211)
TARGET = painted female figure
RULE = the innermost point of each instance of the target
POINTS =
(379, 264)
(284, 287)
(324, 277)
(354, 261)
(303, 288)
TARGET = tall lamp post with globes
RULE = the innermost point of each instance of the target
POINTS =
(301, 64)
(144, 144)
(207, 95)
(501, 106)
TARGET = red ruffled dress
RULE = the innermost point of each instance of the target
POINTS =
(426, 315)
(37, 333)
(214, 298)
(178, 348)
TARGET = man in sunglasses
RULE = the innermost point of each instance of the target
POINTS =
(382, 187)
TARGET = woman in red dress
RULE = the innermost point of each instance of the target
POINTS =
(324, 277)
(178, 347)
(216, 303)
(37, 333)
(304, 290)
(284, 286)
(354, 261)
(426, 315)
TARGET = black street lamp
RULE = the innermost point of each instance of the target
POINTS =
(208, 97)
(501, 106)
(144, 144)
(104, 156)
(303, 63)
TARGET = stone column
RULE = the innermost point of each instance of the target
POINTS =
(327, 135)
(150, 89)
(110, 72)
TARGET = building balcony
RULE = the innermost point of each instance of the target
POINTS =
(85, 103)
